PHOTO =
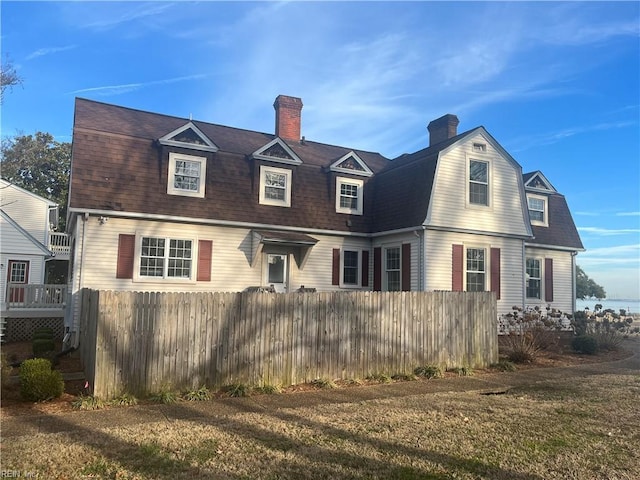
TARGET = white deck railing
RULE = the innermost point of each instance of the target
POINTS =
(59, 244)
(21, 296)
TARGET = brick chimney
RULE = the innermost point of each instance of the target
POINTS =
(443, 128)
(288, 117)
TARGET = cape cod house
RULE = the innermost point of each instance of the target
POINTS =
(160, 203)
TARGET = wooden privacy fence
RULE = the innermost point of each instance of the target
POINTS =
(143, 342)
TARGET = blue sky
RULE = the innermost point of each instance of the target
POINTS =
(557, 84)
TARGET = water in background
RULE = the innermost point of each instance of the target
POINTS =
(631, 306)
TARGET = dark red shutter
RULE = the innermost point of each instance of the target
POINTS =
(495, 271)
(377, 269)
(335, 270)
(457, 268)
(365, 268)
(548, 279)
(205, 248)
(406, 267)
(126, 252)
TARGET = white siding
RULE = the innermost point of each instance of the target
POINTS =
(28, 210)
(438, 263)
(36, 270)
(449, 205)
(562, 279)
(232, 255)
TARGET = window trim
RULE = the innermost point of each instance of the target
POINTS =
(172, 189)
(469, 182)
(137, 259)
(486, 272)
(358, 283)
(545, 210)
(385, 270)
(359, 199)
(540, 261)
(264, 169)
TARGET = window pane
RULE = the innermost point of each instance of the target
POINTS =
(393, 259)
(187, 175)
(348, 196)
(475, 269)
(478, 172)
(536, 215)
(478, 194)
(275, 186)
(393, 281)
(276, 269)
(533, 278)
(18, 272)
(179, 259)
(350, 270)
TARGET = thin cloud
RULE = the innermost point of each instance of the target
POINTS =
(550, 138)
(48, 51)
(607, 232)
(109, 90)
(139, 12)
(628, 214)
(615, 250)
(587, 214)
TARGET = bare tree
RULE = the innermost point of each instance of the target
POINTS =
(8, 77)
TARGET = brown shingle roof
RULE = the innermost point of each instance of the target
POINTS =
(118, 165)
(561, 231)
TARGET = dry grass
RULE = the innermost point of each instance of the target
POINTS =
(550, 430)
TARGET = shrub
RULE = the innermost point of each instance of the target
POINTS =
(165, 396)
(42, 346)
(585, 344)
(379, 377)
(5, 370)
(87, 402)
(268, 389)
(126, 399)
(323, 383)
(428, 371)
(237, 390)
(504, 366)
(197, 395)
(462, 371)
(38, 381)
(43, 331)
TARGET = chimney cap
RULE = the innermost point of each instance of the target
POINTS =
(286, 100)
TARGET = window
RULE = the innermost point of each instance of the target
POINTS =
(537, 210)
(186, 175)
(18, 271)
(476, 270)
(165, 258)
(349, 196)
(534, 278)
(478, 182)
(275, 186)
(392, 269)
(350, 268)
(479, 147)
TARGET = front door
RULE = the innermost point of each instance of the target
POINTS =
(18, 277)
(277, 271)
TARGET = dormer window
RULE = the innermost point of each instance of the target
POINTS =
(187, 174)
(537, 210)
(349, 195)
(275, 186)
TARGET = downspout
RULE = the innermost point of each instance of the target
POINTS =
(573, 282)
(76, 337)
(523, 279)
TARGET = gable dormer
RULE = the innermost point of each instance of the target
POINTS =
(538, 189)
(537, 181)
(277, 151)
(188, 136)
(351, 164)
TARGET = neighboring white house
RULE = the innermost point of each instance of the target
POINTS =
(160, 203)
(25, 229)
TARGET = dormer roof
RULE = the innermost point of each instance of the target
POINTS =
(277, 151)
(188, 136)
(351, 164)
(538, 182)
